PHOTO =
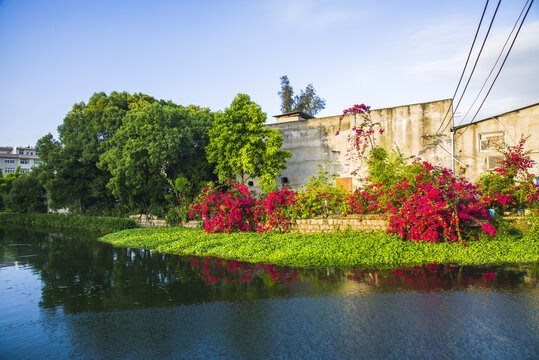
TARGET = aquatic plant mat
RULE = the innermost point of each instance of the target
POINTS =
(369, 249)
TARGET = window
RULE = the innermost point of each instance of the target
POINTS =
(491, 141)
(21, 152)
(9, 161)
(9, 171)
(22, 171)
(36, 153)
(37, 162)
(25, 162)
(494, 161)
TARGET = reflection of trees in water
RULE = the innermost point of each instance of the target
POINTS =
(80, 274)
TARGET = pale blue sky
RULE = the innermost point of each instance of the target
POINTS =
(56, 53)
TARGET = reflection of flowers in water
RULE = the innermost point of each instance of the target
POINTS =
(428, 277)
(214, 271)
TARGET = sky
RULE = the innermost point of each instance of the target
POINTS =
(55, 53)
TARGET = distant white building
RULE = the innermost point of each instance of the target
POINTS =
(12, 157)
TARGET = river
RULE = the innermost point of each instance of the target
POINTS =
(68, 296)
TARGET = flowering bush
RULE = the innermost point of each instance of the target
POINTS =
(225, 211)
(363, 136)
(430, 206)
(274, 212)
(510, 186)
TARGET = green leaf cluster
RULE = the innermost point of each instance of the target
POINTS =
(321, 196)
(26, 195)
(241, 145)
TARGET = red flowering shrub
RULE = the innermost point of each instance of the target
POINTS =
(225, 211)
(510, 186)
(274, 212)
(431, 206)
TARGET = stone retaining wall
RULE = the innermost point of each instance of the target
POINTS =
(334, 224)
(144, 220)
(325, 225)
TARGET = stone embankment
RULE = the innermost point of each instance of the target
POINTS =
(340, 223)
(144, 220)
(303, 226)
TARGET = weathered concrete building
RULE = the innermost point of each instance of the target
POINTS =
(422, 130)
(313, 141)
(477, 144)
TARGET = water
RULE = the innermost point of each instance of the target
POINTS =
(69, 296)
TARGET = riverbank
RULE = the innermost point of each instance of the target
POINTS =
(369, 249)
(100, 225)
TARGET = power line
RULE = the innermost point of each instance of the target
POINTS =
(501, 67)
(498, 59)
(476, 59)
(465, 65)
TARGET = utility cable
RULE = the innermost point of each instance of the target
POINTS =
(476, 59)
(498, 59)
(465, 65)
(501, 67)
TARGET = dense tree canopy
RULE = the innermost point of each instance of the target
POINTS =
(240, 144)
(116, 132)
(307, 101)
(154, 146)
(70, 174)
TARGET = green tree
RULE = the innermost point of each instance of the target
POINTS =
(70, 174)
(154, 145)
(6, 183)
(307, 101)
(240, 144)
(287, 95)
(27, 195)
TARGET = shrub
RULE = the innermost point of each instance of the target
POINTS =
(27, 195)
(321, 196)
(225, 211)
(510, 186)
(275, 211)
(102, 225)
(430, 206)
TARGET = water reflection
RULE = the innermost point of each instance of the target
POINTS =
(67, 296)
(81, 274)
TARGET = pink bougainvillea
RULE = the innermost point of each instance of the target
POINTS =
(433, 206)
(273, 212)
(511, 186)
(363, 136)
(225, 211)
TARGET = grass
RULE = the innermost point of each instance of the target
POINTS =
(101, 225)
(374, 250)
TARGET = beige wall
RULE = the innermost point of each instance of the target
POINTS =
(314, 141)
(513, 125)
